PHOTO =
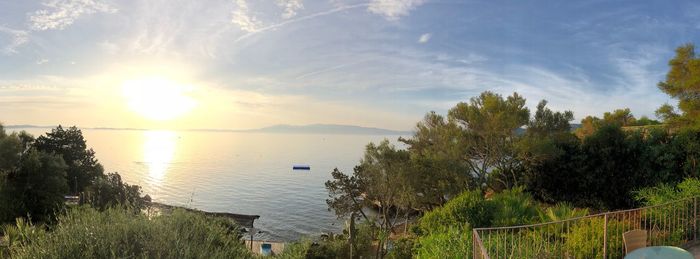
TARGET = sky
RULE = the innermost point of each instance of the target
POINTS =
(239, 64)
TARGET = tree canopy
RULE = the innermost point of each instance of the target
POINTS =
(683, 83)
(83, 167)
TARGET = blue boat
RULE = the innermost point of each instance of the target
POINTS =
(301, 167)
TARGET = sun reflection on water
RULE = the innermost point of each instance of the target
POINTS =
(158, 152)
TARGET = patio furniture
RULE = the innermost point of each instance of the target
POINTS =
(659, 252)
(634, 239)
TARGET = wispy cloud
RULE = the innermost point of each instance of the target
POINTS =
(329, 69)
(290, 7)
(424, 38)
(393, 9)
(243, 18)
(298, 19)
(16, 38)
(42, 61)
(58, 14)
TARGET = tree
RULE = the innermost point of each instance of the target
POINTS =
(10, 152)
(547, 122)
(109, 190)
(620, 117)
(381, 181)
(549, 152)
(588, 126)
(489, 123)
(644, 121)
(36, 187)
(667, 113)
(83, 167)
(683, 83)
(437, 150)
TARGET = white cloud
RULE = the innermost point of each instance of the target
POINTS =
(58, 14)
(243, 18)
(298, 19)
(393, 9)
(290, 7)
(424, 38)
(16, 38)
(42, 61)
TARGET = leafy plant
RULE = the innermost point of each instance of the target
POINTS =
(119, 233)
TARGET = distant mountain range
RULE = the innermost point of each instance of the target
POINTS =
(282, 128)
(329, 129)
(297, 129)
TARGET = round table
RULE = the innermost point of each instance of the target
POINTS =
(654, 252)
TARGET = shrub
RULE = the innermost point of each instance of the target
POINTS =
(119, 233)
(401, 248)
(514, 207)
(449, 242)
(585, 239)
(561, 211)
(109, 190)
(663, 192)
(469, 207)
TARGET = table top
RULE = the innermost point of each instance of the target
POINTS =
(653, 252)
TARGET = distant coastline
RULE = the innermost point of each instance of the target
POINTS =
(281, 128)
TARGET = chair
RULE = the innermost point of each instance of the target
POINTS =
(634, 239)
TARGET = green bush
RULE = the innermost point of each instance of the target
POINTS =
(514, 207)
(119, 233)
(295, 250)
(335, 245)
(109, 190)
(449, 242)
(469, 207)
(664, 193)
(402, 248)
(585, 239)
(561, 211)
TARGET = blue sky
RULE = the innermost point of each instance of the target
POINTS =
(381, 63)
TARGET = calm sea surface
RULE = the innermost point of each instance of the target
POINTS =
(245, 173)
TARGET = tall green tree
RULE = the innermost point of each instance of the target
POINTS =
(550, 154)
(546, 122)
(381, 181)
(83, 167)
(437, 149)
(36, 187)
(31, 182)
(489, 123)
(620, 117)
(683, 83)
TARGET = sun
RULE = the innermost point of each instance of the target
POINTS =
(158, 98)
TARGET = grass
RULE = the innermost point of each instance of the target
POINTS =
(122, 233)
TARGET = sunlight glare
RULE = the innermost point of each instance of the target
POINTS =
(158, 98)
(158, 152)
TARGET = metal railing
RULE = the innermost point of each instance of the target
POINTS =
(594, 236)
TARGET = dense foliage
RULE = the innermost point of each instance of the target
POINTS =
(122, 233)
(683, 83)
(83, 167)
(36, 174)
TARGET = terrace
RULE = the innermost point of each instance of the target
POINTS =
(593, 236)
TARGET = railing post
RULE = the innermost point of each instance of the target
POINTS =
(605, 237)
(474, 245)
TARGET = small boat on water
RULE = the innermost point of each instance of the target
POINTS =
(301, 167)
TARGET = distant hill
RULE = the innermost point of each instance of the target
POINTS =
(301, 129)
(26, 126)
(329, 129)
(284, 128)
